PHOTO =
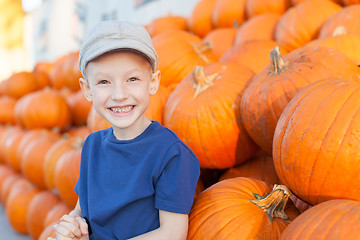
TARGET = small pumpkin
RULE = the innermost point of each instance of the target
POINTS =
(67, 171)
(55, 213)
(226, 13)
(39, 206)
(199, 21)
(79, 107)
(344, 18)
(166, 23)
(260, 27)
(259, 7)
(48, 110)
(221, 40)
(295, 28)
(7, 109)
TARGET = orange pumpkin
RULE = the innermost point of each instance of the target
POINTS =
(10, 148)
(95, 122)
(56, 212)
(259, 7)
(79, 106)
(49, 231)
(251, 54)
(260, 27)
(7, 109)
(43, 109)
(5, 172)
(350, 2)
(344, 18)
(207, 103)
(33, 157)
(180, 52)
(221, 40)
(8, 133)
(22, 83)
(166, 23)
(241, 208)
(43, 66)
(349, 45)
(17, 206)
(199, 21)
(260, 167)
(67, 172)
(39, 206)
(330, 220)
(155, 110)
(53, 154)
(295, 28)
(226, 13)
(316, 142)
(7, 184)
(72, 71)
(81, 132)
(57, 74)
(271, 90)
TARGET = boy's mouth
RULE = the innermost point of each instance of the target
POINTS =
(122, 109)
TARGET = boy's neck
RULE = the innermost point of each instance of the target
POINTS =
(131, 132)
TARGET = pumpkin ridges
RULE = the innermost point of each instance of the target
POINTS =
(199, 21)
(330, 122)
(226, 203)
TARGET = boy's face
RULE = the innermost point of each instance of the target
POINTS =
(119, 84)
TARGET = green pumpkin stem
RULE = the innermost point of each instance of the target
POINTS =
(274, 203)
(201, 81)
(277, 61)
(202, 48)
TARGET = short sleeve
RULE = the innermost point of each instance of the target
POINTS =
(175, 187)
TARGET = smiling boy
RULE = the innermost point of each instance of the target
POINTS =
(137, 178)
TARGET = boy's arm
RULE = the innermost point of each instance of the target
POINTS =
(172, 226)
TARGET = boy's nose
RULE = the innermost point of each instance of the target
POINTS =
(119, 92)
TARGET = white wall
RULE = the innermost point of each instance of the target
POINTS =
(59, 25)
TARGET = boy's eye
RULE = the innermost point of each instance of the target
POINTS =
(133, 79)
(103, 82)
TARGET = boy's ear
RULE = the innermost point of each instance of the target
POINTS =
(85, 89)
(155, 82)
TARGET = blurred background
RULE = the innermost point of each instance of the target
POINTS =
(43, 30)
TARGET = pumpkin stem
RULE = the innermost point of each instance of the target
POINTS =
(274, 203)
(277, 61)
(340, 30)
(202, 48)
(201, 81)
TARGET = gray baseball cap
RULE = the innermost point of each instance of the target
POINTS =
(112, 35)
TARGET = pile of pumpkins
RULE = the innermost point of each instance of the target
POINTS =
(265, 92)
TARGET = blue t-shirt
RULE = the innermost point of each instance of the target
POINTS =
(123, 183)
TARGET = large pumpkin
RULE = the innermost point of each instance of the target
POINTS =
(317, 142)
(203, 111)
(271, 90)
(295, 28)
(221, 39)
(179, 52)
(330, 220)
(241, 208)
(79, 107)
(7, 109)
(166, 23)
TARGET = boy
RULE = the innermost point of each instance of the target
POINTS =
(137, 178)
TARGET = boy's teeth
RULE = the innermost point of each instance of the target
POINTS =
(123, 109)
